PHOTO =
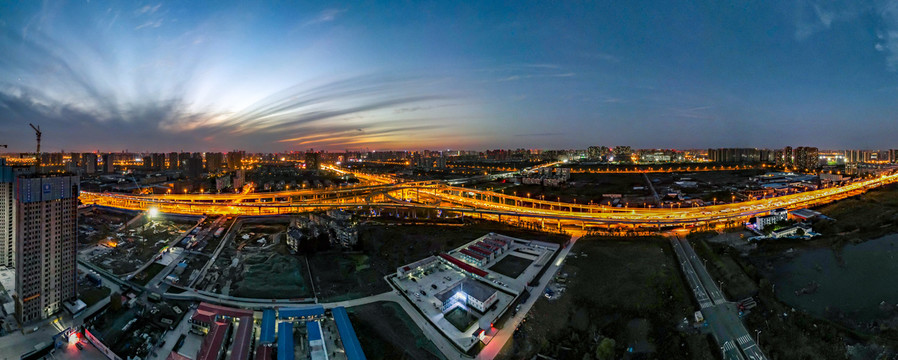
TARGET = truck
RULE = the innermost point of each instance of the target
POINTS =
(219, 232)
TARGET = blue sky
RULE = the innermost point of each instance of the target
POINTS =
(276, 76)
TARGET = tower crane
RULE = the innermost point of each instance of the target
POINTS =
(37, 130)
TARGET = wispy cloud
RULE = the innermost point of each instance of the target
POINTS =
(697, 112)
(813, 17)
(324, 16)
(150, 24)
(148, 9)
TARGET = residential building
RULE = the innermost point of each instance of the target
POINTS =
(214, 162)
(109, 163)
(806, 157)
(89, 163)
(313, 161)
(235, 159)
(46, 244)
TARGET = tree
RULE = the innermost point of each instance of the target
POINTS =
(605, 349)
(115, 301)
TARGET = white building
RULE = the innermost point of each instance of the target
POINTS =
(470, 293)
(774, 217)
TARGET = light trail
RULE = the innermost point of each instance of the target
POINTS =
(392, 194)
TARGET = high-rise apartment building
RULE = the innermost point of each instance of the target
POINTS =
(214, 161)
(806, 157)
(193, 165)
(7, 216)
(173, 162)
(46, 238)
(109, 163)
(235, 159)
(8, 176)
(89, 163)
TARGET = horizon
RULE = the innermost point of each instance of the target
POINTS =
(448, 75)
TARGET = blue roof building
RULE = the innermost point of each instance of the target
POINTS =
(266, 335)
(317, 346)
(285, 341)
(301, 312)
(347, 334)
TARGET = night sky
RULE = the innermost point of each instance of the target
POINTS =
(165, 76)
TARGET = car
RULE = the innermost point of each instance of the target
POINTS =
(434, 286)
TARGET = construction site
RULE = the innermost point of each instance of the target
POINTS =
(134, 244)
(253, 261)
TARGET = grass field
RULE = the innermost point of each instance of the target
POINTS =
(612, 282)
(460, 318)
(272, 276)
(386, 332)
(340, 276)
(511, 266)
(862, 217)
(92, 294)
(722, 267)
(147, 274)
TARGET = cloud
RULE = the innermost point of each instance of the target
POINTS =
(697, 112)
(151, 24)
(813, 17)
(149, 10)
(324, 16)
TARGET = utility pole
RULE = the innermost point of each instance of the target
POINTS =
(37, 131)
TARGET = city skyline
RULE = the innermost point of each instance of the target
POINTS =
(271, 78)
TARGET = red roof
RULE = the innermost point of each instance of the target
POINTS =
(480, 249)
(487, 245)
(223, 310)
(263, 352)
(464, 266)
(203, 316)
(240, 347)
(499, 241)
(471, 254)
(213, 341)
(176, 356)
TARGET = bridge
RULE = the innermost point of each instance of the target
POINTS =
(389, 193)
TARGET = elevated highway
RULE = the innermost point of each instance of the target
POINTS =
(433, 195)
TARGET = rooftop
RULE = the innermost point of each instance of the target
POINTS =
(471, 288)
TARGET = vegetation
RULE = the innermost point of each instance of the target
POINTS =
(613, 281)
(386, 332)
(866, 216)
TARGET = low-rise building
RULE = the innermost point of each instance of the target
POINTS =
(470, 293)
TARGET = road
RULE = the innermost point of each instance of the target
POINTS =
(722, 316)
(467, 200)
(492, 349)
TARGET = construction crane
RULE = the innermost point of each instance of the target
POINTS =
(37, 130)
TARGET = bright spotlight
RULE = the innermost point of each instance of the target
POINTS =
(153, 212)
